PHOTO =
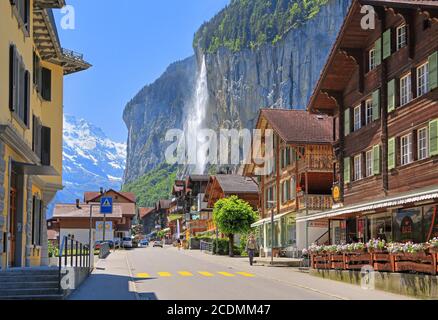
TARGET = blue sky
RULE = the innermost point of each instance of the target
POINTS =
(129, 43)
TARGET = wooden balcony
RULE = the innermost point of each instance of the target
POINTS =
(316, 162)
(315, 202)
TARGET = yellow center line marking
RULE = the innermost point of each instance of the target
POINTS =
(226, 274)
(186, 274)
(164, 274)
(245, 274)
(143, 275)
(206, 274)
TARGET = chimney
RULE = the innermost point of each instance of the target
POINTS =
(101, 190)
(77, 204)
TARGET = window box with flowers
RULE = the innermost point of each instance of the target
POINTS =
(412, 257)
(382, 259)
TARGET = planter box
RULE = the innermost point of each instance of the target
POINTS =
(337, 261)
(355, 261)
(416, 262)
(383, 261)
(321, 261)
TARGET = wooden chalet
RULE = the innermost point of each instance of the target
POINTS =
(301, 179)
(380, 86)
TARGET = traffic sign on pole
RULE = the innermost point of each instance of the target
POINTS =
(106, 205)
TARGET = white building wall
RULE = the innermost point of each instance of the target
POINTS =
(314, 234)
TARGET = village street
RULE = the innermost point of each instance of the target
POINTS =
(169, 274)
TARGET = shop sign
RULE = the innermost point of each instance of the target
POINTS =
(336, 193)
(318, 224)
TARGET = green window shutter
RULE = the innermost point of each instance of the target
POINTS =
(376, 104)
(386, 43)
(391, 153)
(433, 137)
(347, 170)
(376, 160)
(391, 95)
(433, 71)
(347, 122)
(378, 48)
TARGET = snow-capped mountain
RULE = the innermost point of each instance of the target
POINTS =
(90, 160)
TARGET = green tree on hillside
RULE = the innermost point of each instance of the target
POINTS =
(232, 216)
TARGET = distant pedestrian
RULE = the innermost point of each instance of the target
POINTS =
(179, 244)
(251, 247)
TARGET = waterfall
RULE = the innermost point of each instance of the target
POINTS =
(196, 121)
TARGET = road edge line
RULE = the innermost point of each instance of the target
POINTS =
(137, 296)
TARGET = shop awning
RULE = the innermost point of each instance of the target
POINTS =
(268, 220)
(418, 196)
(34, 169)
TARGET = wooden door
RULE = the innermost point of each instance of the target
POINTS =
(12, 225)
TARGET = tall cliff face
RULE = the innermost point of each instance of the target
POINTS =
(155, 109)
(280, 75)
(240, 82)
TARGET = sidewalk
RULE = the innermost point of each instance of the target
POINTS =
(110, 280)
(294, 277)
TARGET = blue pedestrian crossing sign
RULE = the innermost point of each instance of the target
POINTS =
(106, 205)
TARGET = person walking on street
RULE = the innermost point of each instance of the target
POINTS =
(251, 246)
(179, 244)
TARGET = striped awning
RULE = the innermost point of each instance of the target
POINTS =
(412, 197)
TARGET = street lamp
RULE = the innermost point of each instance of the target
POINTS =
(272, 203)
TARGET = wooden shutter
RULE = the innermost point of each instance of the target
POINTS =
(46, 78)
(376, 160)
(378, 53)
(386, 43)
(433, 137)
(21, 91)
(391, 95)
(376, 104)
(391, 153)
(12, 79)
(347, 170)
(45, 145)
(433, 71)
(347, 128)
(27, 98)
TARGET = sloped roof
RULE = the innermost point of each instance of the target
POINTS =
(299, 126)
(92, 196)
(164, 204)
(199, 177)
(143, 212)
(402, 3)
(234, 184)
(71, 211)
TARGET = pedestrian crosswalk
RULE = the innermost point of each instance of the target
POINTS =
(187, 274)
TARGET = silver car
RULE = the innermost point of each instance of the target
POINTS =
(127, 243)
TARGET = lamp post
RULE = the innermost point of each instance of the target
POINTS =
(272, 203)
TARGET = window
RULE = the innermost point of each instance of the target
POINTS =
(405, 90)
(369, 163)
(406, 149)
(357, 118)
(423, 147)
(37, 221)
(372, 59)
(19, 87)
(285, 191)
(422, 79)
(22, 12)
(369, 111)
(270, 196)
(401, 37)
(358, 167)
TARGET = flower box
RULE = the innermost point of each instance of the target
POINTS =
(415, 262)
(383, 261)
(321, 261)
(355, 261)
(337, 261)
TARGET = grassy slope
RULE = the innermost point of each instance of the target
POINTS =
(153, 186)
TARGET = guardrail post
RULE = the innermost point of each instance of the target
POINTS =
(66, 251)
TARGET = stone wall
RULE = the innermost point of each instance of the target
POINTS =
(414, 285)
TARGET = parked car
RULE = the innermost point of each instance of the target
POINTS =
(127, 243)
(97, 245)
(144, 243)
(158, 244)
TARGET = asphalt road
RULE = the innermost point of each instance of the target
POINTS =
(169, 274)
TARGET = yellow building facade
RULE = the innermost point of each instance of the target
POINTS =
(33, 65)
